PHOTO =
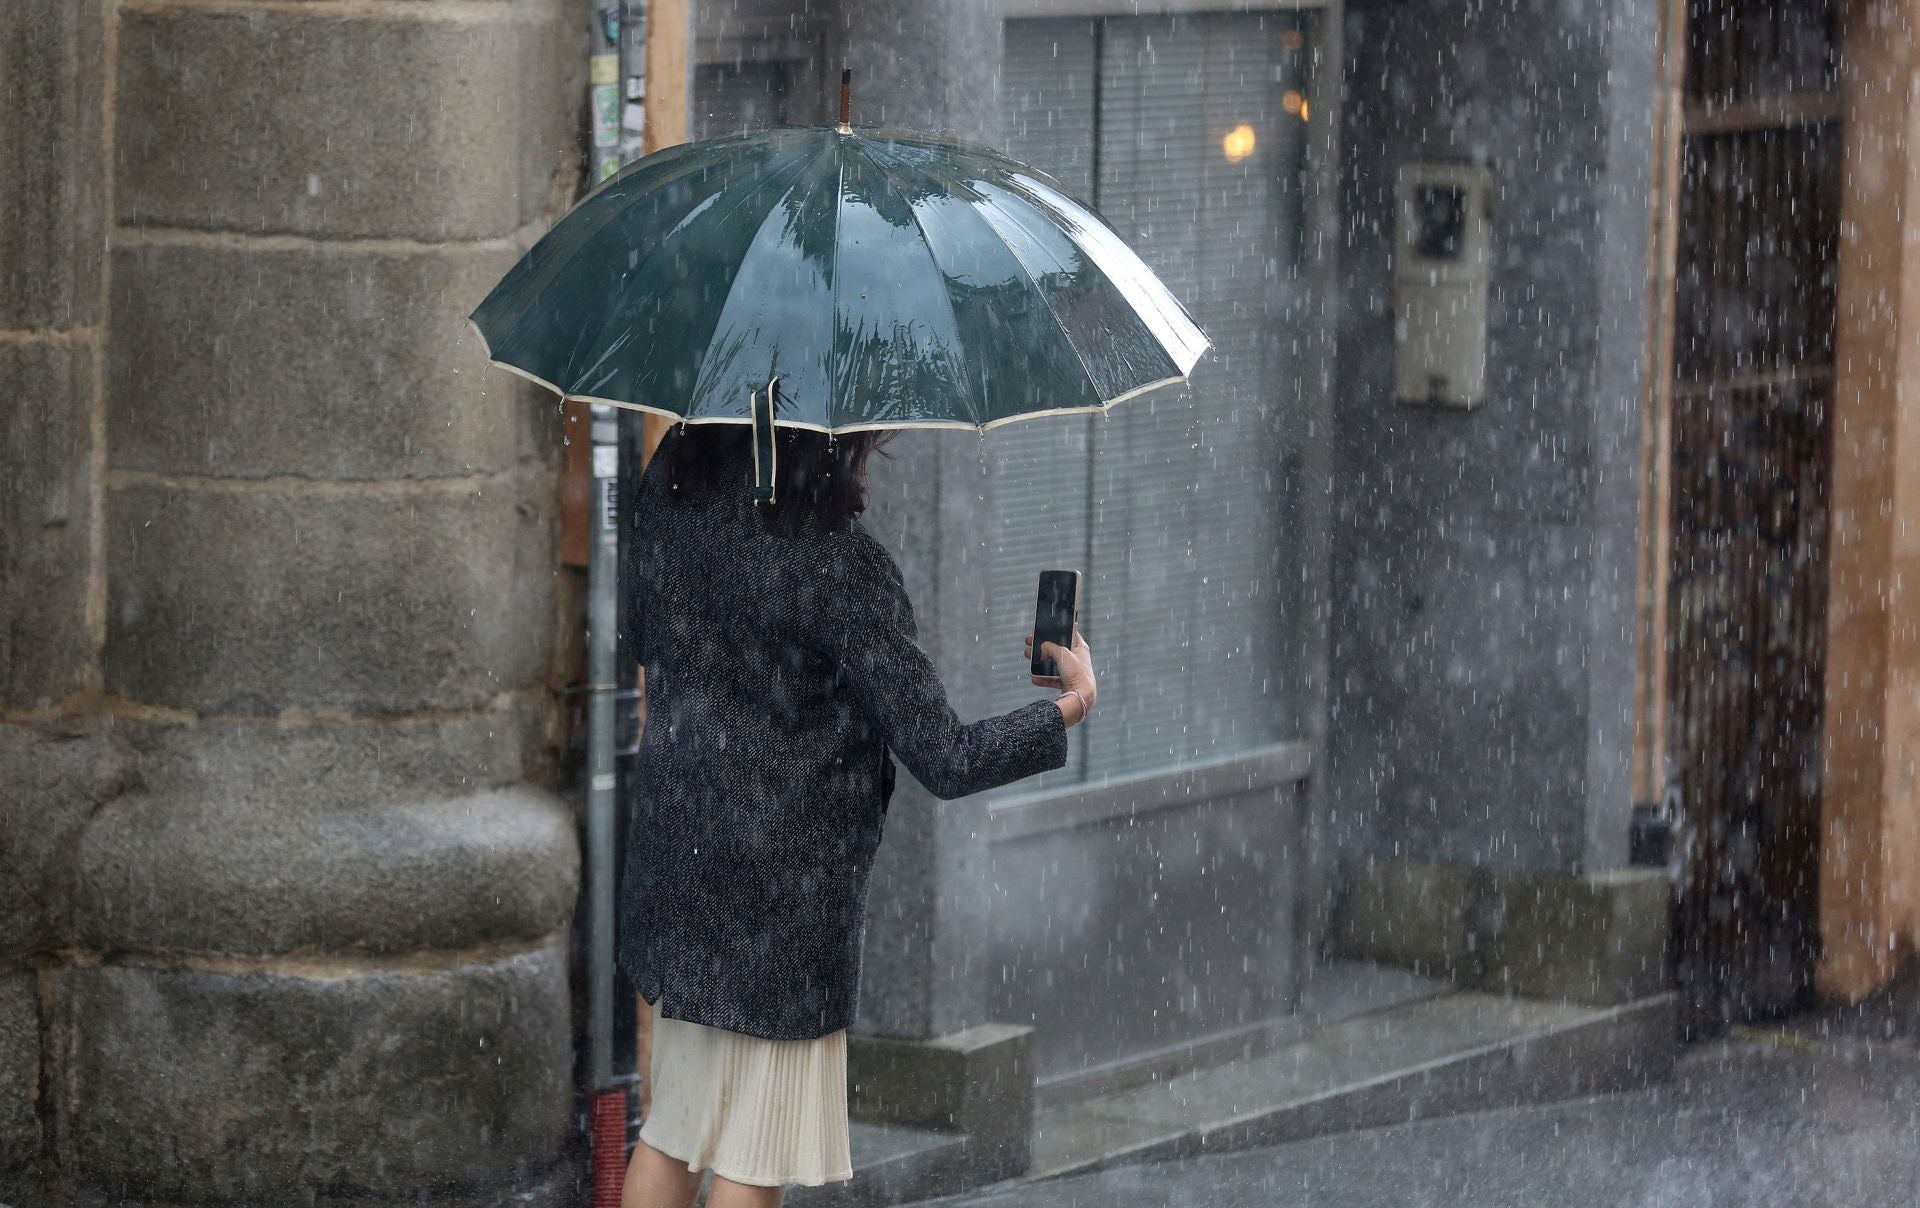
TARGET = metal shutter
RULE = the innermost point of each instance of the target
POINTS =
(1187, 546)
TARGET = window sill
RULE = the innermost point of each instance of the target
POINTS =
(1126, 796)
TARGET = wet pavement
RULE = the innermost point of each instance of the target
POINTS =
(1820, 1111)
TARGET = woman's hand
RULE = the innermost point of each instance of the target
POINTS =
(1076, 674)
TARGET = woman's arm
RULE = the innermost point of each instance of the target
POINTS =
(876, 640)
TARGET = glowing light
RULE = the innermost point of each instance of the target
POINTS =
(1293, 102)
(1239, 143)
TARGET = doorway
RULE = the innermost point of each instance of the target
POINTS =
(1754, 208)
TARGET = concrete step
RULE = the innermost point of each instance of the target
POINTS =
(1438, 1056)
(1337, 991)
(897, 1165)
(1329, 993)
(891, 1166)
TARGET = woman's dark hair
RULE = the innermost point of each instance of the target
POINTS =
(816, 477)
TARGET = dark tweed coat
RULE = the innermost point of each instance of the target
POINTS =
(780, 671)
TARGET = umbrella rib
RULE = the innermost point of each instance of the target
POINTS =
(1034, 284)
(531, 287)
(979, 402)
(837, 145)
(1171, 360)
(607, 314)
(720, 312)
(1014, 218)
(1019, 187)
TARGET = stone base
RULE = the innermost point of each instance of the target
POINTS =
(269, 1084)
(1417, 915)
(255, 964)
(21, 1136)
(1597, 938)
(978, 1082)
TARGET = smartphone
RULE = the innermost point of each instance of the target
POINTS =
(1054, 614)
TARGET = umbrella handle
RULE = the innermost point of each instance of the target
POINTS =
(763, 463)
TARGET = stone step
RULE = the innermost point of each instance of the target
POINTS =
(891, 1165)
(894, 1165)
(1329, 993)
(1445, 1055)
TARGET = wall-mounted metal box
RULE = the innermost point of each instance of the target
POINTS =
(1441, 258)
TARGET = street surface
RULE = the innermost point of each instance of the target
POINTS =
(1821, 1111)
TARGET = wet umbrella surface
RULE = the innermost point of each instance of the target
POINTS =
(877, 280)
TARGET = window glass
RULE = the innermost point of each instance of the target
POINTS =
(1189, 134)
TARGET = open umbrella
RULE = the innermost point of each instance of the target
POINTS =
(837, 279)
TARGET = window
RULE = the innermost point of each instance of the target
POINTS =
(1190, 134)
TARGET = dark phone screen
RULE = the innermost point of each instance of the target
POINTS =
(1053, 615)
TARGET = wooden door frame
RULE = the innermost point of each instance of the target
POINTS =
(1869, 909)
(1871, 806)
(1649, 776)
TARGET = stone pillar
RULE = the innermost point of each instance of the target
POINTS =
(928, 65)
(299, 919)
(1483, 625)
(1870, 840)
(1614, 490)
(935, 66)
(52, 243)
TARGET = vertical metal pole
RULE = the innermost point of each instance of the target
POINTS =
(603, 593)
(632, 449)
(603, 95)
(602, 611)
(608, 1098)
(618, 83)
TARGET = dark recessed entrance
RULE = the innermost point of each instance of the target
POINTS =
(1756, 227)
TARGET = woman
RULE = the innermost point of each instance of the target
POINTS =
(781, 668)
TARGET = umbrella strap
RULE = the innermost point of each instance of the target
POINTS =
(763, 445)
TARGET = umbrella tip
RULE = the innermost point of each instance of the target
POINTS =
(846, 100)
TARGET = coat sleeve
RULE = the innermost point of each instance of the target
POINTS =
(872, 633)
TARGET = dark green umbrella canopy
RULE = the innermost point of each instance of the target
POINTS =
(884, 280)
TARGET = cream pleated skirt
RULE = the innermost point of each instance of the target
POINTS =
(766, 1112)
